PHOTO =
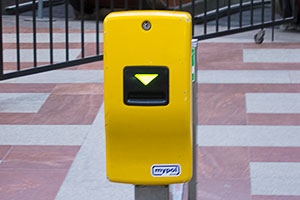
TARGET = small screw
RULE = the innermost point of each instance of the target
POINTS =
(146, 25)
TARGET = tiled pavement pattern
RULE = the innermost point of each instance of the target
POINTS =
(52, 126)
(45, 118)
(248, 116)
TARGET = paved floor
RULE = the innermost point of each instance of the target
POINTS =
(248, 133)
(52, 124)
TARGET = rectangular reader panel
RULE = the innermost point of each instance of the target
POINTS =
(148, 97)
(146, 86)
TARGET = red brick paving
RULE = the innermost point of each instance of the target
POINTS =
(90, 49)
(221, 109)
(249, 88)
(262, 197)
(67, 104)
(227, 53)
(25, 184)
(78, 89)
(229, 56)
(40, 157)
(69, 109)
(274, 119)
(224, 104)
(215, 189)
(34, 172)
(4, 150)
(16, 118)
(23, 65)
(223, 163)
(274, 154)
(91, 66)
(26, 88)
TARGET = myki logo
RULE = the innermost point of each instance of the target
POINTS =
(165, 170)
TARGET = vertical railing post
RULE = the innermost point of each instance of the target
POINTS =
(51, 31)
(125, 4)
(217, 15)
(273, 18)
(18, 35)
(263, 11)
(112, 5)
(140, 4)
(295, 7)
(251, 12)
(205, 19)
(82, 27)
(67, 28)
(228, 15)
(180, 4)
(193, 17)
(193, 182)
(34, 33)
(241, 14)
(97, 27)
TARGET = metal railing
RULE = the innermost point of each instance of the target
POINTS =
(211, 18)
(36, 68)
(256, 13)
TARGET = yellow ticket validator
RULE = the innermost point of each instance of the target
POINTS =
(148, 97)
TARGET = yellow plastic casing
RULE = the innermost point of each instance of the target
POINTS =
(138, 137)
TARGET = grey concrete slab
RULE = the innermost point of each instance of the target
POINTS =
(22, 102)
(62, 76)
(275, 178)
(271, 55)
(273, 103)
(43, 134)
(295, 76)
(87, 176)
(268, 136)
(243, 76)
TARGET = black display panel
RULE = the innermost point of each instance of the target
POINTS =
(146, 85)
